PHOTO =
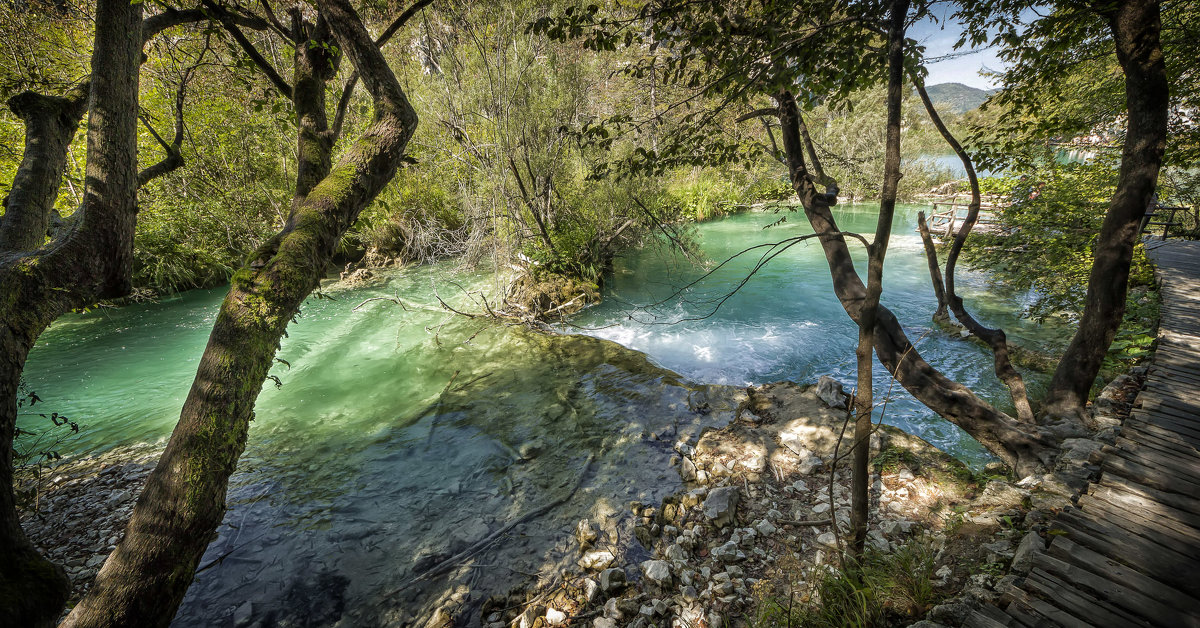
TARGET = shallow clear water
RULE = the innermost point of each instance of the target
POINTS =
(786, 322)
(398, 433)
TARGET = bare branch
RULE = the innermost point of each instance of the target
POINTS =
(230, 24)
(995, 338)
(276, 25)
(759, 113)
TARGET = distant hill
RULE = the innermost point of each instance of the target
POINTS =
(957, 97)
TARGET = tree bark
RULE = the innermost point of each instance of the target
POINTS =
(92, 259)
(1136, 27)
(50, 125)
(995, 338)
(1025, 448)
(145, 578)
(935, 270)
(877, 252)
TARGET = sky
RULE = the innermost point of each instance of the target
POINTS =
(938, 39)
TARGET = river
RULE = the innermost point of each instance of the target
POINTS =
(400, 435)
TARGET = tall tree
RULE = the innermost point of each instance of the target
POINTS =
(145, 578)
(1135, 26)
(90, 260)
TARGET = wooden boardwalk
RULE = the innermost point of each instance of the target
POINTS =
(1129, 555)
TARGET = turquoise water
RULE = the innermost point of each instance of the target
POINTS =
(786, 322)
(402, 434)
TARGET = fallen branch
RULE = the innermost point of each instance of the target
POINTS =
(809, 522)
(462, 556)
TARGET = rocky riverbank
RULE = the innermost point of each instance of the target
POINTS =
(757, 531)
(82, 507)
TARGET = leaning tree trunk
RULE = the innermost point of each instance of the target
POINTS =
(91, 260)
(145, 578)
(1025, 448)
(1136, 28)
(995, 338)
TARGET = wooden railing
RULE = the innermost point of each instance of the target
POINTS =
(948, 215)
(1162, 216)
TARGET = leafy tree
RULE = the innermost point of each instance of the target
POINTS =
(145, 578)
(88, 257)
(1132, 31)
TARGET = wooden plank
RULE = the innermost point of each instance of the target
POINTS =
(1167, 374)
(1171, 424)
(1170, 418)
(999, 616)
(1189, 410)
(1082, 604)
(1166, 419)
(1137, 419)
(1164, 363)
(1172, 535)
(1132, 489)
(1174, 446)
(1184, 456)
(1023, 613)
(1182, 400)
(1145, 555)
(1051, 614)
(1177, 603)
(1168, 377)
(1167, 369)
(979, 620)
(1170, 359)
(1183, 521)
(1178, 468)
(1148, 475)
(1163, 439)
(1171, 394)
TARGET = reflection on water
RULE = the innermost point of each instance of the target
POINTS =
(401, 436)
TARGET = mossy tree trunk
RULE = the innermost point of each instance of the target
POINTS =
(1024, 447)
(1136, 27)
(146, 577)
(91, 259)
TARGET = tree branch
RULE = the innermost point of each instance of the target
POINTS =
(230, 24)
(995, 338)
(339, 116)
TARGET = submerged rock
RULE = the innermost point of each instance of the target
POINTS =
(597, 560)
(612, 581)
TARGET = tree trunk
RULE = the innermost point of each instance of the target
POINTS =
(1136, 27)
(995, 338)
(877, 252)
(935, 271)
(145, 578)
(1025, 448)
(50, 125)
(92, 259)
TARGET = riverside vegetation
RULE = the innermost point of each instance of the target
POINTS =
(171, 147)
